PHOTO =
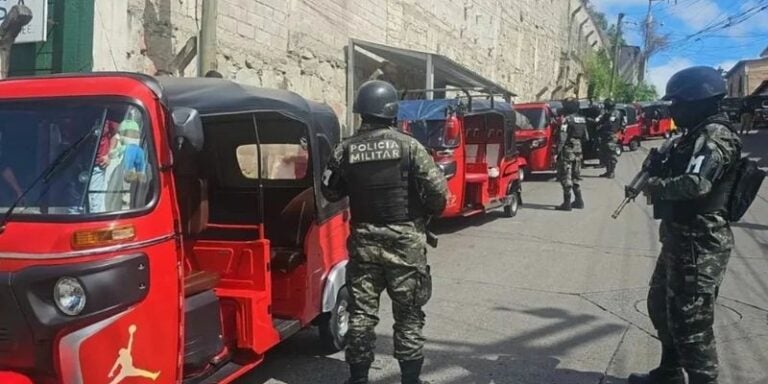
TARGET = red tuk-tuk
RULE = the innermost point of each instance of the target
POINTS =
(169, 230)
(632, 133)
(656, 120)
(537, 136)
(473, 142)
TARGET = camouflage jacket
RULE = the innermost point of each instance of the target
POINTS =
(403, 243)
(715, 149)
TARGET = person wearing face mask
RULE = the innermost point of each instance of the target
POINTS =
(690, 193)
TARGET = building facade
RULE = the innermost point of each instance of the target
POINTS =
(747, 75)
(531, 47)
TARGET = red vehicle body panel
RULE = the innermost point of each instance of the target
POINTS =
(251, 293)
(479, 149)
(542, 158)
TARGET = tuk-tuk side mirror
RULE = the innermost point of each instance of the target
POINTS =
(188, 127)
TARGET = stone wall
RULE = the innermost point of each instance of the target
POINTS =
(300, 44)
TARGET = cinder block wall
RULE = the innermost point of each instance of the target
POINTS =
(299, 44)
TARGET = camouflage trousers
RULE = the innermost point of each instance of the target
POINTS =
(407, 288)
(569, 168)
(681, 300)
(608, 153)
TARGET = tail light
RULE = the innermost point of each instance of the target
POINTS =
(404, 126)
(446, 162)
(452, 132)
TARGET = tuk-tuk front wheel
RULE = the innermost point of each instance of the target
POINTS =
(334, 325)
(618, 150)
(634, 145)
(510, 210)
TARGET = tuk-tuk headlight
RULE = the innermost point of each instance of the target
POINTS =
(69, 296)
(538, 143)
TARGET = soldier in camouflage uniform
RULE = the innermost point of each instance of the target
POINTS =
(569, 158)
(393, 186)
(609, 124)
(690, 194)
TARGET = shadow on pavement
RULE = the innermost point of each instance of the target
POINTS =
(447, 226)
(541, 207)
(529, 358)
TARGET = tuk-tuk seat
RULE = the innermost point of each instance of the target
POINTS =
(200, 281)
(286, 259)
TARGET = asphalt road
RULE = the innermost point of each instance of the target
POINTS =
(555, 297)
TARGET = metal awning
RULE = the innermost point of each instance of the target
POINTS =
(439, 71)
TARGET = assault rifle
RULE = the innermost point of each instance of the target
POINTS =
(651, 167)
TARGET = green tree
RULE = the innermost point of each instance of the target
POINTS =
(629, 93)
(597, 68)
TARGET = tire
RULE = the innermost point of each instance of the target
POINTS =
(667, 135)
(333, 326)
(634, 145)
(618, 150)
(510, 210)
(523, 174)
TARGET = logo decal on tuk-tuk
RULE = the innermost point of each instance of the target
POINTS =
(451, 199)
(374, 151)
(125, 363)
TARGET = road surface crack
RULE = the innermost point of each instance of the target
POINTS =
(613, 356)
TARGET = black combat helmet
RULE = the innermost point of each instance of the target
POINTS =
(378, 99)
(570, 106)
(695, 83)
(609, 104)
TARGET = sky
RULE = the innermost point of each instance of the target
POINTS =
(679, 19)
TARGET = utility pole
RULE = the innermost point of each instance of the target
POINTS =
(15, 19)
(616, 51)
(208, 42)
(646, 44)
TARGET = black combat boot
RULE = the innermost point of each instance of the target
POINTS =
(566, 206)
(668, 371)
(578, 202)
(658, 376)
(358, 373)
(411, 371)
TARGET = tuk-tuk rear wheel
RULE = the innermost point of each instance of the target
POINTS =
(334, 325)
(634, 145)
(510, 210)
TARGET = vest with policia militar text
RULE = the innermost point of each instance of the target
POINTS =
(577, 127)
(377, 165)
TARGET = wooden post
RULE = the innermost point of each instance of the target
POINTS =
(19, 16)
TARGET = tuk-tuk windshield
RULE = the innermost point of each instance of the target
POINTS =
(535, 116)
(430, 133)
(73, 157)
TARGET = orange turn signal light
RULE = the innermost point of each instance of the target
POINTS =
(91, 238)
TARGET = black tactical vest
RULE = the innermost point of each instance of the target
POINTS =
(377, 167)
(607, 127)
(577, 127)
(715, 201)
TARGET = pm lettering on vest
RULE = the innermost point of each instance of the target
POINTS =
(379, 150)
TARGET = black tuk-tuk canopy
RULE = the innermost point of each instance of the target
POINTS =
(218, 100)
(211, 97)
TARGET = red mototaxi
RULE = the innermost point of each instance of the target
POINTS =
(198, 259)
(632, 134)
(537, 136)
(656, 120)
(473, 142)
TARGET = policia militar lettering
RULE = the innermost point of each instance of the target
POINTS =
(699, 186)
(393, 186)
